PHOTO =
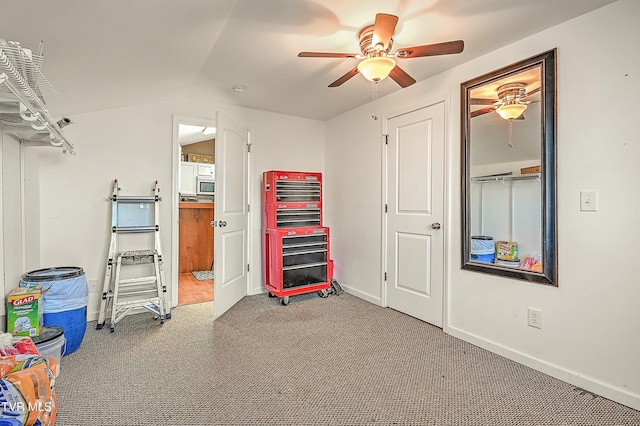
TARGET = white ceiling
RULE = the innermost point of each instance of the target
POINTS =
(106, 54)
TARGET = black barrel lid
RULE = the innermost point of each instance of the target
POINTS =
(53, 274)
(48, 333)
(481, 237)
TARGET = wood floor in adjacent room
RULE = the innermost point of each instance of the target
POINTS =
(190, 290)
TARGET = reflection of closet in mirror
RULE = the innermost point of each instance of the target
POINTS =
(509, 209)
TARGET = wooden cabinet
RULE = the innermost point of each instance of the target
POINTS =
(196, 237)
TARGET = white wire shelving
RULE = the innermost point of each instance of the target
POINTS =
(23, 113)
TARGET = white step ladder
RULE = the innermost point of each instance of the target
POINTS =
(123, 296)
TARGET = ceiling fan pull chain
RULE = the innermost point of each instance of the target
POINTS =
(510, 132)
(375, 100)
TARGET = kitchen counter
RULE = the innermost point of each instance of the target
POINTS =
(196, 205)
(195, 242)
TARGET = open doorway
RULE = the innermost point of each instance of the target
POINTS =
(196, 200)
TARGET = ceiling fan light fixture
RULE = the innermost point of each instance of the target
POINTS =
(511, 111)
(376, 68)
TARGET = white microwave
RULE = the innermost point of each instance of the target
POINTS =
(205, 186)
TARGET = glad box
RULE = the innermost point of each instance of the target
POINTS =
(24, 311)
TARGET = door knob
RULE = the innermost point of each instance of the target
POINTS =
(435, 226)
(222, 223)
(213, 223)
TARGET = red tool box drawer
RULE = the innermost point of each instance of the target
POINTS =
(297, 261)
(292, 215)
(292, 187)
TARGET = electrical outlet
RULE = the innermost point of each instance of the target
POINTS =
(93, 286)
(535, 318)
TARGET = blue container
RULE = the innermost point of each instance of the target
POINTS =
(74, 323)
(65, 300)
(484, 258)
(10, 422)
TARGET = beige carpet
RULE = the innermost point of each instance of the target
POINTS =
(334, 361)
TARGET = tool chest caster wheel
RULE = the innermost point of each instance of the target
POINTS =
(336, 288)
(271, 294)
(323, 293)
(285, 300)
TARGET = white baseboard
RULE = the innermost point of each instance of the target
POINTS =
(362, 295)
(590, 384)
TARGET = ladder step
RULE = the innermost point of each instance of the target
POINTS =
(129, 294)
(132, 253)
(139, 280)
(135, 199)
(135, 229)
(137, 257)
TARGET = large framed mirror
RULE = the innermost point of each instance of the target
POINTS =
(508, 119)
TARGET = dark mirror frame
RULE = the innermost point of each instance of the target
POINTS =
(548, 275)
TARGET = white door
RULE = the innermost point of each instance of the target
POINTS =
(231, 216)
(415, 213)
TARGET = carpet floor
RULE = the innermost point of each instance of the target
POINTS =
(333, 361)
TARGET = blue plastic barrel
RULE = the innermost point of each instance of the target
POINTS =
(64, 302)
(10, 422)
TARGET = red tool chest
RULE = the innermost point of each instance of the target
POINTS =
(296, 245)
(292, 199)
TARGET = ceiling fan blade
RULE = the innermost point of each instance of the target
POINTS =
(478, 101)
(344, 78)
(326, 55)
(383, 29)
(482, 111)
(401, 77)
(534, 91)
(445, 48)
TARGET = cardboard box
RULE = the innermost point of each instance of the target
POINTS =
(533, 169)
(24, 311)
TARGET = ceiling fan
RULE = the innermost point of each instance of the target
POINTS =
(377, 61)
(511, 103)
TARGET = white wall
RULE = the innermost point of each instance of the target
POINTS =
(134, 145)
(353, 201)
(11, 234)
(590, 322)
(19, 226)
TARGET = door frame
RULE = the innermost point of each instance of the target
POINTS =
(175, 195)
(448, 148)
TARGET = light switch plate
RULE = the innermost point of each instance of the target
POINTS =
(588, 201)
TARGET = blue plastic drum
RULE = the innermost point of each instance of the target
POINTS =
(65, 301)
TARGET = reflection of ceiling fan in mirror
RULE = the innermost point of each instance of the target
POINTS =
(377, 62)
(512, 101)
